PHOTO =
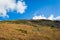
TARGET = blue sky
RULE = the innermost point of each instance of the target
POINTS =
(35, 8)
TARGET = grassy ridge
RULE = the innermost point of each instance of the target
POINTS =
(30, 30)
(42, 22)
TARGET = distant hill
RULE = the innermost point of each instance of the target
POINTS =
(30, 30)
(43, 22)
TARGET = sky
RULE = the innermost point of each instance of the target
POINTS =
(29, 9)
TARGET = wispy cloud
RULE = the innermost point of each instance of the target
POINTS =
(51, 17)
(6, 5)
(49, 11)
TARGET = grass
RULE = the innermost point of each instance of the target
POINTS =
(25, 31)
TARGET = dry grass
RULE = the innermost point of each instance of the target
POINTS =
(27, 32)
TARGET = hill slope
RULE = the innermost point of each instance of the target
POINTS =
(30, 30)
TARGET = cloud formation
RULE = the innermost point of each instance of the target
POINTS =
(39, 17)
(10, 5)
(51, 17)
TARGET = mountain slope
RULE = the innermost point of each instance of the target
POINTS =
(30, 30)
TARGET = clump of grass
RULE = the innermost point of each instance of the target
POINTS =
(23, 31)
(3, 38)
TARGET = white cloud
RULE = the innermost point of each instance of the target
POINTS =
(21, 7)
(6, 5)
(57, 18)
(39, 17)
(51, 17)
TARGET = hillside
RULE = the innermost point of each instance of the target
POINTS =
(30, 30)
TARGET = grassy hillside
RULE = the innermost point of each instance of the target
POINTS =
(30, 30)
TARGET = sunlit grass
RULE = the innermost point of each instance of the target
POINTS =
(23, 31)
